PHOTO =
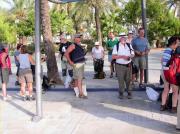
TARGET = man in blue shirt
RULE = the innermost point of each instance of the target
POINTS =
(141, 48)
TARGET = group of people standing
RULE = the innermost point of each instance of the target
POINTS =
(125, 54)
(23, 61)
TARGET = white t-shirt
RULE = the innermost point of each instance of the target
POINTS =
(98, 53)
(123, 50)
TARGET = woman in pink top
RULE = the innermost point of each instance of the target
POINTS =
(5, 64)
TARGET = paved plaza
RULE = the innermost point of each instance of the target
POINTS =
(101, 113)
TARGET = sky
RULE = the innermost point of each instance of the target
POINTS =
(7, 6)
(4, 5)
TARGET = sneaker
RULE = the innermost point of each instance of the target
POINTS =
(25, 98)
(163, 108)
(111, 76)
(4, 98)
(129, 95)
(174, 110)
(141, 86)
(17, 83)
(31, 98)
(83, 96)
(121, 96)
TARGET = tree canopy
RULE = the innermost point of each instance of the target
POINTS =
(89, 15)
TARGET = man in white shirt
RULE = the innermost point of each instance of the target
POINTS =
(98, 59)
(123, 54)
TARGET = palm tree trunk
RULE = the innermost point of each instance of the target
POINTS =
(177, 9)
(52, 69)
(98, 25)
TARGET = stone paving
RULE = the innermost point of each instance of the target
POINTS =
(101, 113)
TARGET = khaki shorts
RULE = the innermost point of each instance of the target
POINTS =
(25, 76)
(5, 75)
(140, 62)
(78, 71)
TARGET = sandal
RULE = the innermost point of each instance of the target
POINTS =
(83, 96)
(141, 86)
(163, 108)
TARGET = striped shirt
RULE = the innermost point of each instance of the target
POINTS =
(166, 57)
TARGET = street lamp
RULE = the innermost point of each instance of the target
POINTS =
(144, 22)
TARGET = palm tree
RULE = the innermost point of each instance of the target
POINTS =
(176, 5)
(92, 10)
(52, 68)
(19, 11)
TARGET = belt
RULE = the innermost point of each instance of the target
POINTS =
(126, 65)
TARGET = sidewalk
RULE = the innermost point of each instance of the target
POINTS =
(101, 113)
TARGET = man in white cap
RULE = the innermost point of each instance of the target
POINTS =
(98, 59)
(122, 53)
(76, 57)
(67, 70)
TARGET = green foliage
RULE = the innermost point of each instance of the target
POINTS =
(166, 26)
(7, 34)
(61, 22)
(111, 22)
(160, 22)
(25, 27)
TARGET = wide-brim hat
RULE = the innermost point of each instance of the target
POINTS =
(122, 34)
(97, 43)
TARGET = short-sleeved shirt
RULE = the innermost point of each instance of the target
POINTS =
(123, 50)
(110, 44)
(140, 44)
(166, 57)
(98, 53)
(16, 53)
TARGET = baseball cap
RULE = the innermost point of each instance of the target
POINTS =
(77, 35)
(64, 36)
(130, 32)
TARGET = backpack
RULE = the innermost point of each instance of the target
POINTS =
(173, 74)
(134, 67)
(64, 46)
(117, 47)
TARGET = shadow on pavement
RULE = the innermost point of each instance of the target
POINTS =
(123, 110)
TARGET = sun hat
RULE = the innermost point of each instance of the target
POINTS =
(97, 43)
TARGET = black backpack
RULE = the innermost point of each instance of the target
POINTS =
(67, 44)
